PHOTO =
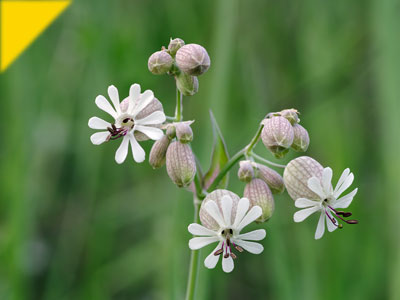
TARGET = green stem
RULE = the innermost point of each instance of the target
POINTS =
(194, 258)
(266, 161)
(179, 106)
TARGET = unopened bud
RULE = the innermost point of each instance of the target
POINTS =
(175, 45)
(171, 131)
(292, 115)
(160, 62)
(277, 135)
(193, 59)
(181, 164)
(246, 171)
(272, 178)
(187, 84)
(258, 193)
(296, 176)
(183, 132)
(158, 152)
(301, 138)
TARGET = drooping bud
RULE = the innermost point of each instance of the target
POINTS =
(171, 131)
(272, 178)
(181, 164)
(246, 171)
(160, 62)
(301, 138)
(158, 152)
(277, 135)
(193, 59)
(216, 196)
(292, 115)
(184, 132)
(258, 193)
(296, 176)
(175, 45)
(187, 84)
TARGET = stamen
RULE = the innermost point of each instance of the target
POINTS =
(238, 248)
(344, 214)
(218, 252)
(333, 220)
(352, 222)
(226, 255)
(233, 255)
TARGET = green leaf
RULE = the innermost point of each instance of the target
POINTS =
(219, 157)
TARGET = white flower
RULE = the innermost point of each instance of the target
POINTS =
(328, 202)
(126, 121)
(228, 233)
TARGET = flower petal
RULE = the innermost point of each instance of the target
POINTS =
(226, 205)
(122, 151)
(99, 137)
(113, 93)
(342, 178)
(200, 242)
(144, 100)
(327, 181)
(227, 264)
(251, 216)
(213, 210)
(137, 151)
(104, 105)
(252, 247)
(329, 224)
(97, 123)
(152, 132)
(197, 229)
(347, 182)
(314, 184)
(134, 94)
(320, 227)
(157, 117)
(211, 260)
(301, 215)
(304, 202)
(242, 208)
(345, 201)
(256, 235)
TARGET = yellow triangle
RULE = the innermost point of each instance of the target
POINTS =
(22, 22)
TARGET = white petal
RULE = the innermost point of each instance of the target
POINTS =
(152, 132)
(345, 201)
(315, 185)
(211, 260)
(226, 205)
(103, 104)
(301, 215)
(122, 151)
(342, 178)
(200, 242)
(242, 208)
(347, 182)
(256, 235)
(329, 224)
(97, 123)
(227, 264)
(157, 117)
(113, 93)
(251, 247)
(321, 226)
(144, 100)
(327, 181)
(213, 210)
(251, 216)
(303, 202)
(99, 137)
(137, 151)
(197, 229)
(134, 94)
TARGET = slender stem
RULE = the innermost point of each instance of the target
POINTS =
(266, 161)
(199, 187)
(194, 257)
(179, 106)
(254, 140)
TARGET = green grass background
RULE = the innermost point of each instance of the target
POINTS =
(75, 225)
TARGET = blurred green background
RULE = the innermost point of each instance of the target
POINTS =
(75, 225)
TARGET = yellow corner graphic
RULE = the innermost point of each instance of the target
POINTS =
(21, 22)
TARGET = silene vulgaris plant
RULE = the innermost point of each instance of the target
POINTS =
(220, 215)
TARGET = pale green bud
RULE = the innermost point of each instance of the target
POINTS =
(160, 62)
(175, 45)
(277, 135)
(301, 138)
(181, 164)
(193, 59)
(171, 131)
(272, 178)
(292, 115)
(187, 84)
(246, 171)
(258, 193)
(184, 132)
(158, 152)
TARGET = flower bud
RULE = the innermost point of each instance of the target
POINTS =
(216, 196)
(301, 138)
(272, 178)
(171, 131)
(292, 115)
(188, 85)
(258, 193)
(246, 171)
(277, 135)
(183, 132)
(193, 59)
(296, 176)
(181, 164)
(175, 45)
(160, 62)
(158, 152)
